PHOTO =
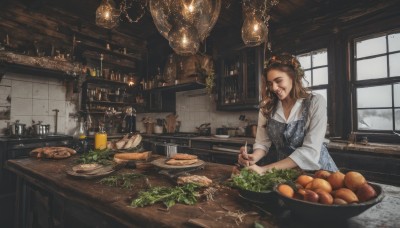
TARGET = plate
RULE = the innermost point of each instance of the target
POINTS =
(321, 212)
(160, 163)
(222, 136)
(98, 171)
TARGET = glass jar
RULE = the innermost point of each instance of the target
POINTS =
(100, 139)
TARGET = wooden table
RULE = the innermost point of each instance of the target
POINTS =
(74, 202)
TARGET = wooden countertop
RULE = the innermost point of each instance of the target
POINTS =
(114, 202)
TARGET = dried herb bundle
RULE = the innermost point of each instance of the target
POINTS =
(126, 180)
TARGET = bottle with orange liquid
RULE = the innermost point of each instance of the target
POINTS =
(100, 139)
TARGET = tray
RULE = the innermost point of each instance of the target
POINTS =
(160, 163)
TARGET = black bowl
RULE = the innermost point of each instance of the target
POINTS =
(266, 197)
(321, 212)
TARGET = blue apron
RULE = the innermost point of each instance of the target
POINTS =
(288, 137)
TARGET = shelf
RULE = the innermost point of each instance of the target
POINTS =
(109, 103)
(102, 81)
(179, 87)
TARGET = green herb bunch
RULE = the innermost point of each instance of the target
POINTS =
(126, 180)
(252, 181)
(103, 157)
(210, 81)
(186, 194)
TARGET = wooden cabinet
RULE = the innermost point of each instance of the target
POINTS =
(160, 101)
(239, 79)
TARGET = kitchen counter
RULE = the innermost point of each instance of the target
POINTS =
(111, 205)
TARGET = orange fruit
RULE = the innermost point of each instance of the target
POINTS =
(286, 190)
(346, 195)
(303, 180)
(336, 180)
(319, 183)
(323, 174)
(353, 180)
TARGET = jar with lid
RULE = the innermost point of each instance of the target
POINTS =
(100, 139)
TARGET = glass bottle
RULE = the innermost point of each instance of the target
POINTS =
(100, 139)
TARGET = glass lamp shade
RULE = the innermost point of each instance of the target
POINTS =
(106, 15)
(201, 15)
(254, 31)
(184, 39)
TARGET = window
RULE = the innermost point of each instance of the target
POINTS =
(315, 65)
(376, 82)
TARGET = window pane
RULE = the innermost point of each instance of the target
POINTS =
(320, 76)
(372, 68)
(322, 92)
(371, 47)
(320, 59)
(396, 95)
(375, 119)
(307, 78)
(305, 61)
(397, 117)
(394, 42)
(394, 65)
(374, 97)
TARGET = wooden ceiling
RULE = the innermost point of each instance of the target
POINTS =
(61, 19)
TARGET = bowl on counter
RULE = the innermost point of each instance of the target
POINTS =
(309, 211)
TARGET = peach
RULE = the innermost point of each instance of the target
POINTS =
(336, 180)
(323, 174)
(366, 192)
(346, 195)
(353, 180)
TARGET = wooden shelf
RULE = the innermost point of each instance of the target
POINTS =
(102, 81)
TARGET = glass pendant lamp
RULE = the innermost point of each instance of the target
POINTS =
(107, 15)
(254, 30)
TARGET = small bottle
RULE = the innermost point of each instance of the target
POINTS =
(100, 139)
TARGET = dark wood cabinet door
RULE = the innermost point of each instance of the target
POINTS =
(239, 80)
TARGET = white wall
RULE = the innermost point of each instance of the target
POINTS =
(34, 98)
(194, 108)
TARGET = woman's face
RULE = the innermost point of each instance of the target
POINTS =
(280, 83)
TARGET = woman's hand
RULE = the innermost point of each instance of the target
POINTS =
(244, 158)
(258, 169)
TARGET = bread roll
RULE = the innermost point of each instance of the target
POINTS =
(133, 156)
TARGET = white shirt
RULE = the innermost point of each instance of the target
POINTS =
(306, 156)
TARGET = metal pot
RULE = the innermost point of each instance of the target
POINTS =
(17, 129)
(41, 129)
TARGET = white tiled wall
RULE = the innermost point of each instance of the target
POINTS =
(34, 98)
(194, 108)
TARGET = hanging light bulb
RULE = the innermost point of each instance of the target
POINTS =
(185, 23)
(254, 31)
(106, 15)
(184, 39)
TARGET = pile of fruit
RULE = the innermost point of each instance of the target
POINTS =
(330, 188)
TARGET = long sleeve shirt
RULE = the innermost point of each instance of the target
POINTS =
(306, 156)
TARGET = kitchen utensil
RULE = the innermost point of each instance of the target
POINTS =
(320, 212)
(17, 129)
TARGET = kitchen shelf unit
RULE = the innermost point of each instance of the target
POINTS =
(239, 80)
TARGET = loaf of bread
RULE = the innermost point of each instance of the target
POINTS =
(133, 156)
(196, 179)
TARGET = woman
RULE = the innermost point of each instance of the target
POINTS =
(290, 118)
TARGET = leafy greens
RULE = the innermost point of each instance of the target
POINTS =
(186, 194)
(252, 181)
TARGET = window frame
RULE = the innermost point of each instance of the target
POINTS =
(375, 135)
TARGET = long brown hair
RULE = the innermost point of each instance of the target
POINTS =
(290, 65)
